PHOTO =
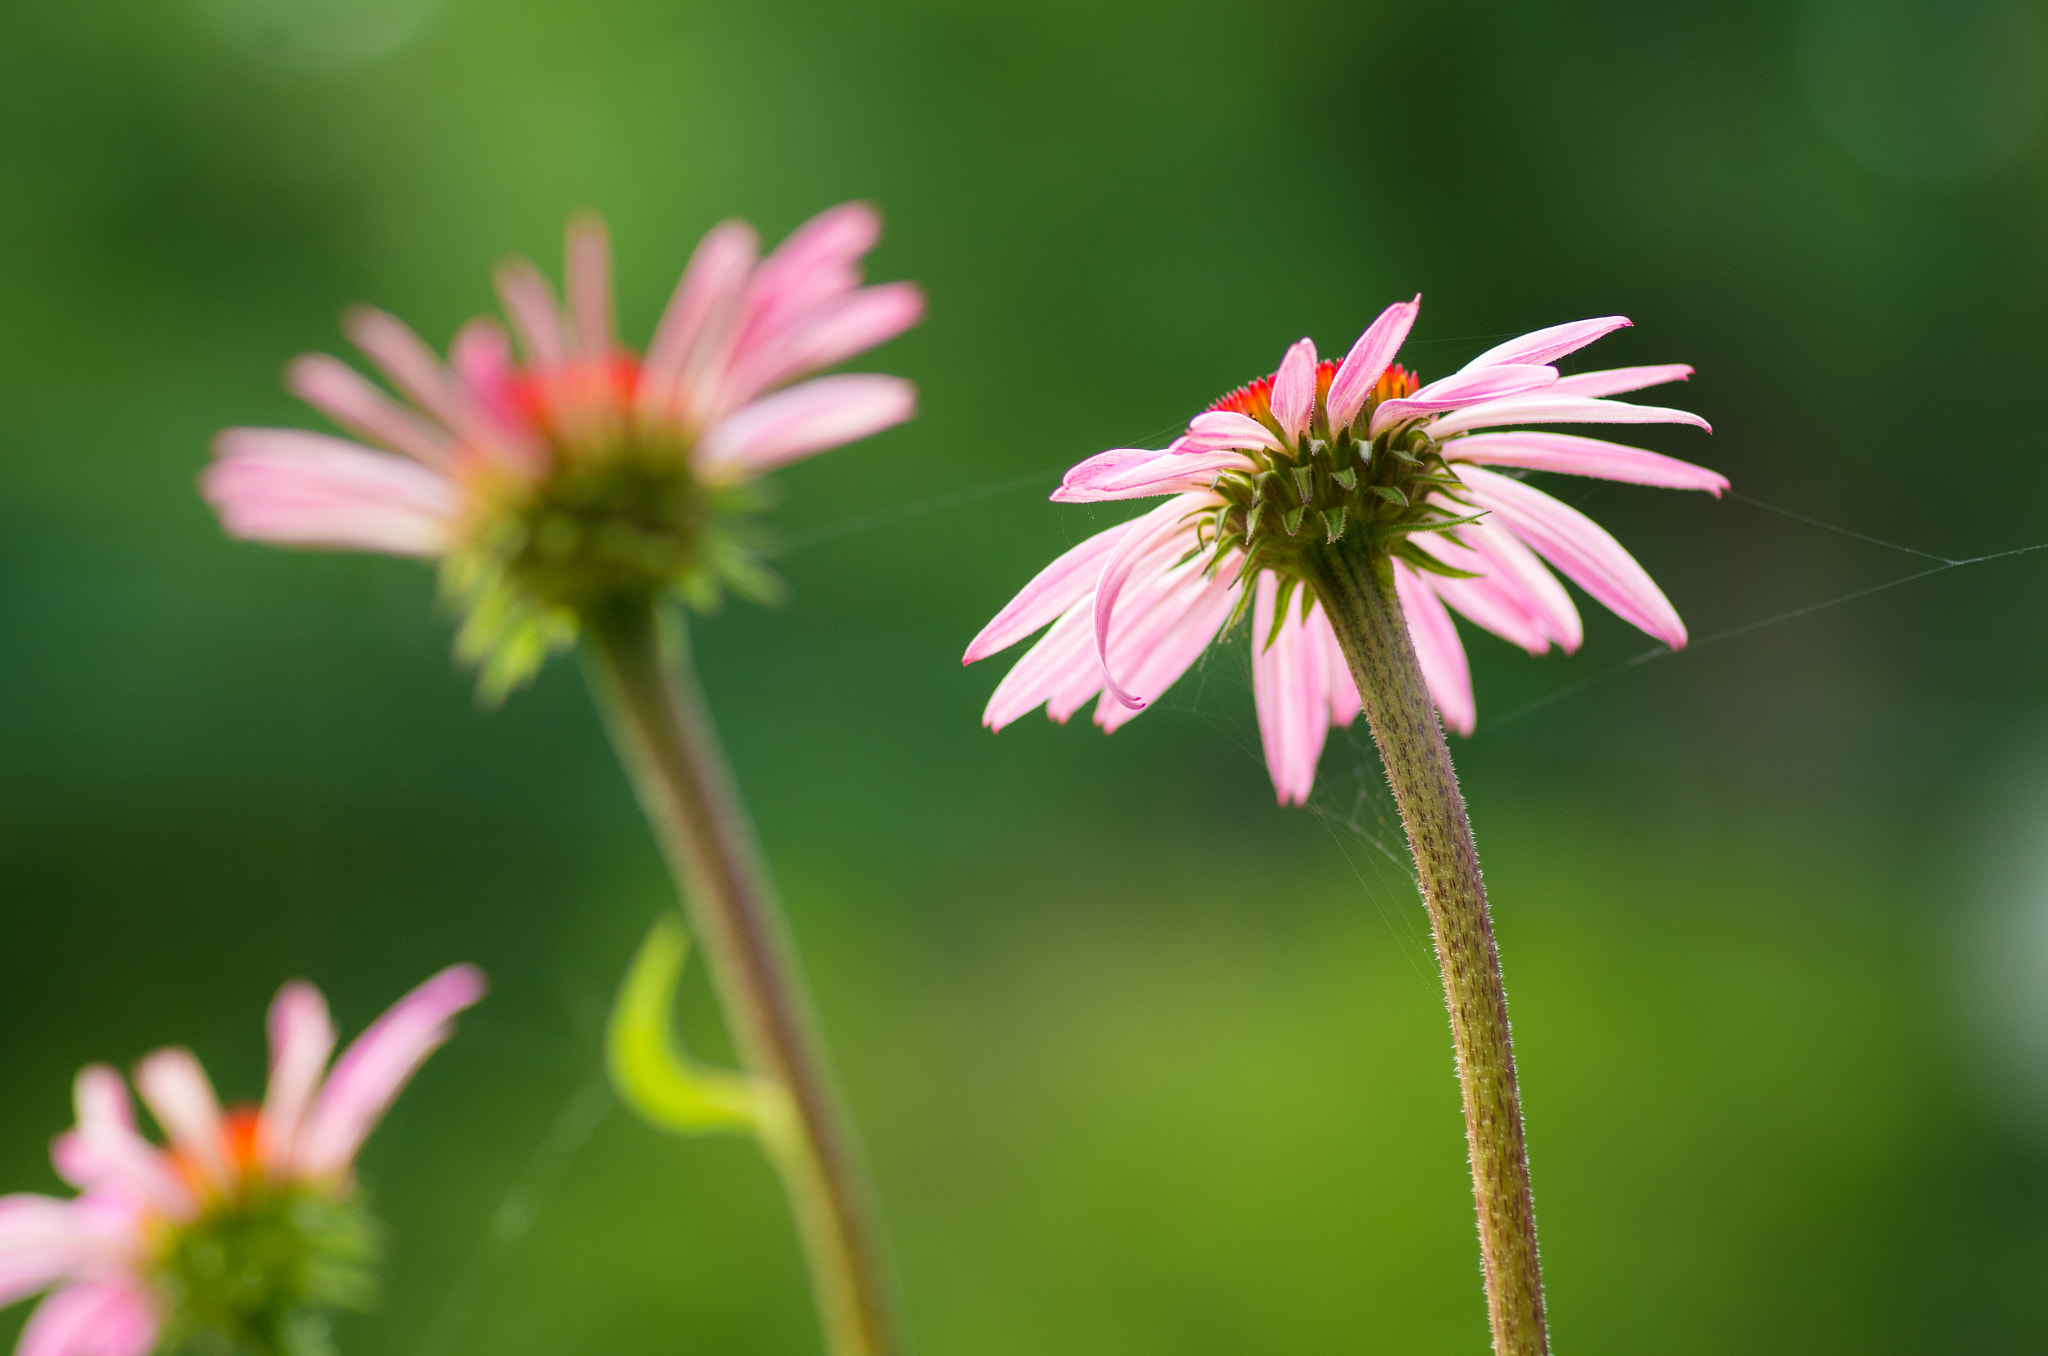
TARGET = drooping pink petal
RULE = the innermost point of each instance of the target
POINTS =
(1162, 526)
(1215, 430)
(589, 277)
(180, 1096)
(1344, 702)
(377, 1065)
(1051, 592)
(1548, 345)
(43, 1239)
(1438, 651)
(1460, 389)
(1153, 655)
(107, 1316)
(1290, 689)
(306, 489)
(340, 392)
(825, 413)
(1064, 656)
(1545, 408)
(1617, 380)
(1512, 564)
(301, 1039)
(1368, 361)
(105, 1152)
(701, 312)
(1294, 389)
(1167, 472)
(530, 305)
(1579, 547)
(828, 335)
(1083, 476)
(1570, 454)
(412, 366)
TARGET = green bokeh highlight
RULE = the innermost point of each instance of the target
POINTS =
(1146, 1064)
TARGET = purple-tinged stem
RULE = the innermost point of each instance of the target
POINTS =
(1366, 615)
(663, 732)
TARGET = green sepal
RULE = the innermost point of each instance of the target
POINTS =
(1347, 478)
(1288, 584)
(1305, 481)
(1432, 524)
(1407, 550)
(1291, 520)
(1391, 494)
(651, 1073)
(1333, 522)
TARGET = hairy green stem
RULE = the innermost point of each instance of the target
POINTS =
(1366, 614)
(663, 732)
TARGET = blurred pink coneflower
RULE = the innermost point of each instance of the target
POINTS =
(1301, 459)
(246, 1228)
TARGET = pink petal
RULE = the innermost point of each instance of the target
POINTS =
(106, 1153)
(1547, 346)
(1572, 455)
(825, 413)
(1545, 408)
(1438, 651)
(1461, 389)
(340, 392)
(42, 1239)
(1164, 473)
(1368, 361)
(1154, 654)
(1579, 547)
(703, 310)
(1084, 475)
(589, 276)
(372, 1071)
(1051, 592)
(1140, 546)
(405, 358)
(1213, 430)
(1064, 656)
(112, 1316)
(831, 334)
(301, 1039)
(1616, 380)
(481, 358)
(536, 319)
(1294, 389)
(1290, 688)
(179, 1095)
(306, 489)
(1344, 702)
(818, 262)
(1513, 565)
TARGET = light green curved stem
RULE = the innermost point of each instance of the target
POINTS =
(1366, 614)
(659, 724)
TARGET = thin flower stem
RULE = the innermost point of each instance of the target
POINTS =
(659, 723)
(1366, 614)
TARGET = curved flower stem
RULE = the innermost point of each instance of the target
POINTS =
(659, 723)
(1366, 615)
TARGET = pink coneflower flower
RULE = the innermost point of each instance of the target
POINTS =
(1299, 461)
(581, 473)
(242, 1231)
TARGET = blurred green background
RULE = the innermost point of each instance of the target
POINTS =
(1145, 1064)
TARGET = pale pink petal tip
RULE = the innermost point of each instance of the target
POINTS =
(115, 1316)
(1294, 388)
(1368, 361)
(306, 489)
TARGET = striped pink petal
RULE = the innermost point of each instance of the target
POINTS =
(179, 1095)
(1078, 484)
(1496, 604)
(1162, 527)
(1569, 454)
(371, 1072)
(1051, 592)
(1579, 547)
(306, 489)
(1344, 702)
(536, 318)
(1294, 389)
(412, 367)
(1460, 389)
(1064, 655)
(340, 392)
(1438, 651)
(1368, 361)
(108, 1316)
(1617, 380)
(301, 1039)
(1163, 473)
(828, 412)
(1154, 653)
(828, 335)
(702, 311)
(1548, 345)
(588, 273)
(1513, 565)
(816, 263)
(1214, 430)
(1290, 689)
(1545, 408)
(104, 1152)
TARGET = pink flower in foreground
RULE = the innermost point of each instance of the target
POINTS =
(581, 473)
(1357, 456)
(243, 1229)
